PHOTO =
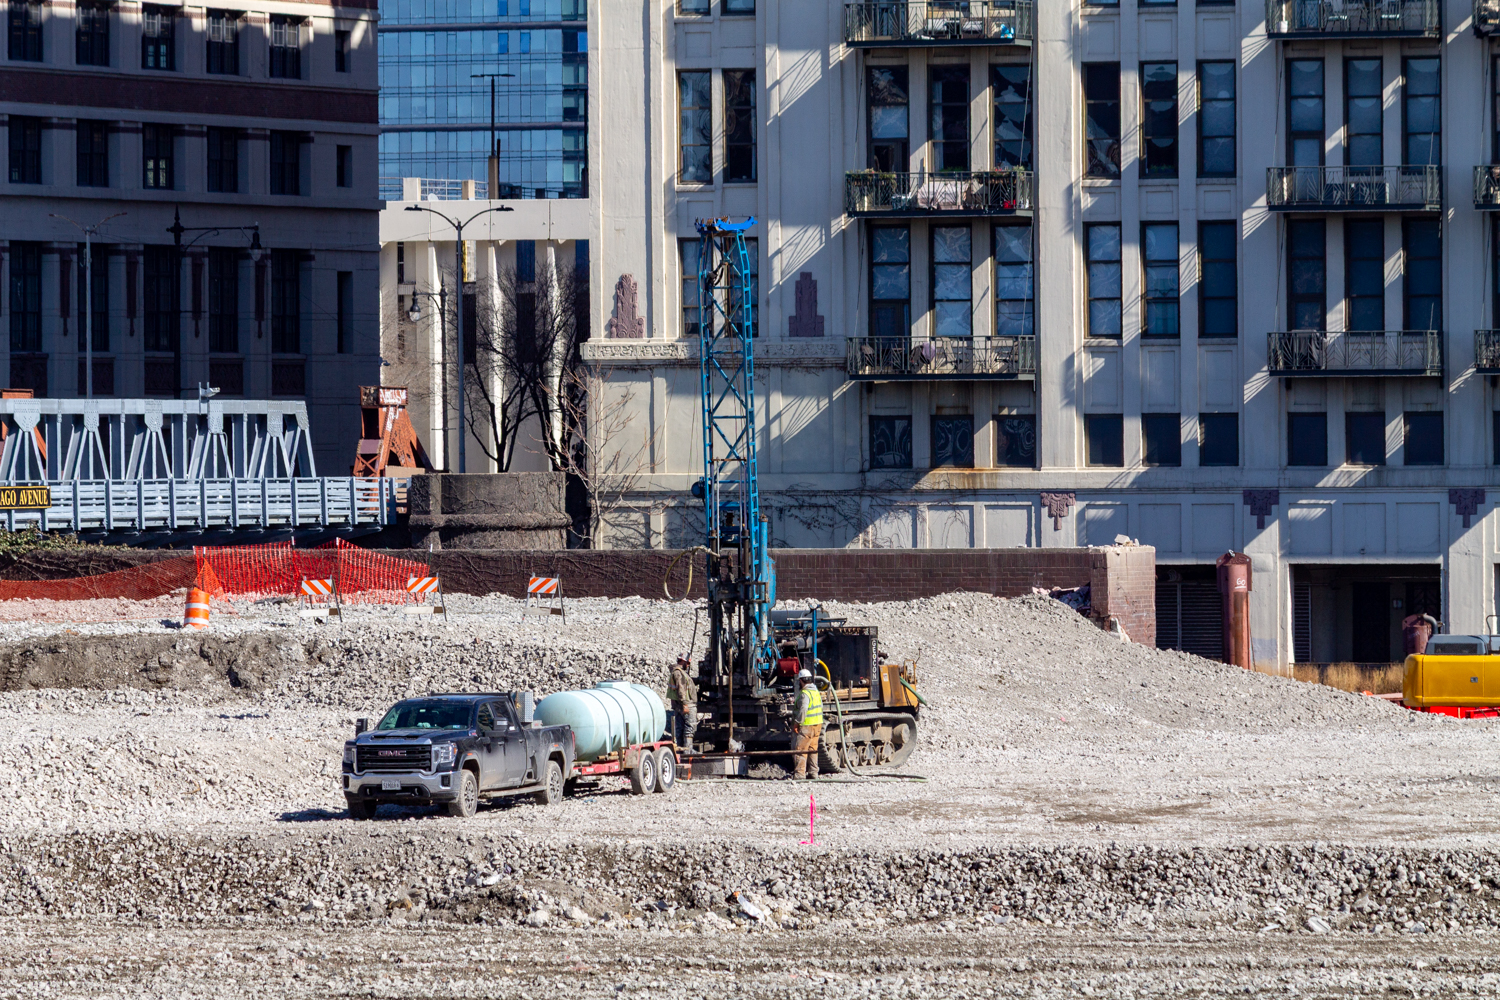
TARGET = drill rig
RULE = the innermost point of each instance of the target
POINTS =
(747, 679)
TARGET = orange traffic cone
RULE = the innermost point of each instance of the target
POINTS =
(195, 614)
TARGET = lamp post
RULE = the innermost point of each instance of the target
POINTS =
(204, 232)
(415, 314)
(492, 175)
(89, 232)
(458, 270)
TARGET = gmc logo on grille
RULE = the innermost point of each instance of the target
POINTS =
(393, 753)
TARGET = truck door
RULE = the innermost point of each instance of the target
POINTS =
(510, 745)
(490, 751)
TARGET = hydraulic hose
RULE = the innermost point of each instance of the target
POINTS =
(838, 712)
(920, 700)
(695, 550)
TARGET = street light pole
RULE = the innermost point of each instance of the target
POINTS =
(492, 174)
(415, 314)
(89, 232)
(458, 266)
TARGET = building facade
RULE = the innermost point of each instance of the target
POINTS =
(1214, 276)
(226, 163)
(440, 64)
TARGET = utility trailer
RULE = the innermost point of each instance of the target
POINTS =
(651, 767)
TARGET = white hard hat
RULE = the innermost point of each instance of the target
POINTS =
(805, 675)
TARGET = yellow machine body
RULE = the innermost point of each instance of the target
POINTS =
(1460, 681)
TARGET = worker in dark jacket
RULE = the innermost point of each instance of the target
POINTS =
(809, 715)
(684, 697)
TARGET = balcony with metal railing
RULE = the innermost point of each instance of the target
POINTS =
(1487, 187)
(904, 359)
(876, 194)
(887, 23)
(1353, 18)
(1486, 18)
(1355, 189)
(1487, 352)
(1355, 353)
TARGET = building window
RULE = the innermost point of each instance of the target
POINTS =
(1161, 439)
(25, 150)
(1013, 124)
(1218, 282)
(1015, 281)
(286, 302)
(890, 119)
(739, 125)
(156, 156)
(1104, 440)
(223, 160)
(952, 283)
(93, 154)
(890, 281)
(1304, 113)
(99, 280)
(1104, 280)
(1423, 287)
(24, 27)
(525, 261)
(733, 7)
(695, 102)
(949, 112)
(1423, 121)
(163, 311)
(1160, 262)
(1219, 440)
(953, 442)
(890, 443)
(341, 51)
(91, 35)
(1015, 441)
(223, 42)
(688, 254)
(1307, 439)
(1495, 435)
(346, 312)
(693, 7)
(223, 301)
(1158, 119)
(1216, 112)
(286, 163)
(286, 47)
(1307, 276)
(1362, 113)
(1101, 103)
(1364, 438)
(1424, 438)
(158, 37)
(1364, 274)
(343, 163)
(25, 296)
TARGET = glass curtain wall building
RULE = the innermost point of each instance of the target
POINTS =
(435, 116)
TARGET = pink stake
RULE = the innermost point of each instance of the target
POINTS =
(812, 819)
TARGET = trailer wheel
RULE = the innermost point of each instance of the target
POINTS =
(666, 769)
(643, 775)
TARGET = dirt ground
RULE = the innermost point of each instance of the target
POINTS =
(1088, 818)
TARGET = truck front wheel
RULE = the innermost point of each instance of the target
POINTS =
(467, 802)
(361, 808)
(552, 788)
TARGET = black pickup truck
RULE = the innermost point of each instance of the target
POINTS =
(454, 749)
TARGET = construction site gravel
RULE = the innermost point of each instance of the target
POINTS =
(1092, 818)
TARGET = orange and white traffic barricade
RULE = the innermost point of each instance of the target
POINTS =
(195, 611)
(319, 599)
(544, 597)
(421, 589)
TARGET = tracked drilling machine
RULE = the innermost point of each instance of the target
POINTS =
(747, 679)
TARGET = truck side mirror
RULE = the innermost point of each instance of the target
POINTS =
(360, 725)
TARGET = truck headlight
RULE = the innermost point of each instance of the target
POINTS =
(348, 755)
(444, 753)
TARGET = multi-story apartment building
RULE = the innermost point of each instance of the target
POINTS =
(1213, 275)
(227, 162)
(440, 64)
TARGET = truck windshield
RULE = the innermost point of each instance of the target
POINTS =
(427, 715)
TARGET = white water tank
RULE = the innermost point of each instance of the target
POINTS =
(605, 718)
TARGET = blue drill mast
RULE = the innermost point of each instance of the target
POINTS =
(741, 576)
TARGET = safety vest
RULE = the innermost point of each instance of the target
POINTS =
(812, 708)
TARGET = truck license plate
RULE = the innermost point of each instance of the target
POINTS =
(390, 784)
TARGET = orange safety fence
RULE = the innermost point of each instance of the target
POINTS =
(250, 571)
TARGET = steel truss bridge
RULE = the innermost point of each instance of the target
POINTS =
(178, 464)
